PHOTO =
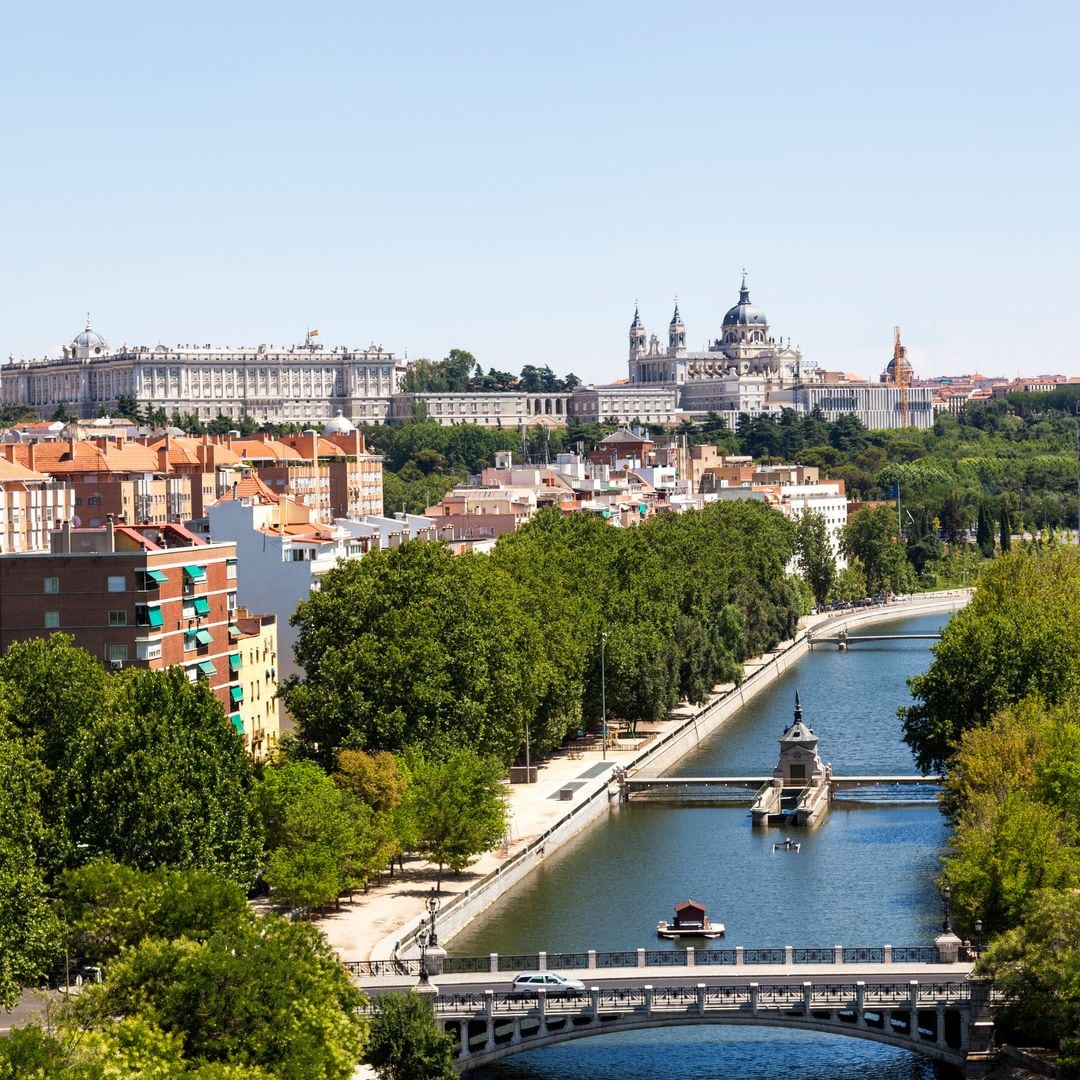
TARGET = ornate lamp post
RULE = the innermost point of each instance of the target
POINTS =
(978, 937)
(946, 926)
(433, 906)
(603, 698)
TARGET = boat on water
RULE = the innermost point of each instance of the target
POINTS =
(691, 920)
(787, 845)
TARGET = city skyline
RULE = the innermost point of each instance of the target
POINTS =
(512, 182)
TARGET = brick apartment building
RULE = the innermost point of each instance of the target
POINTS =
(150, 596)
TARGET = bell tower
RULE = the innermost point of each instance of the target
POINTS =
(676, 335)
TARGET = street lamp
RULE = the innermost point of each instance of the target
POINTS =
(978, 937)
(422, 939)
(603, 698)
(946, 925)
(433, 910)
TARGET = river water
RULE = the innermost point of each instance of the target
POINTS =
(864, 877)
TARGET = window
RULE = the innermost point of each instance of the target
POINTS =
(230, 569)
(189, 641)
(149, 615)
(203, 637)
(154, 578)
(117, 584)
(202, 606)
(118, 652)
(118, 618)
(52, 584)
(52, 620)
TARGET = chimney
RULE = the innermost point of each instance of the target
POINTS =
(65, 538)
(110, 532)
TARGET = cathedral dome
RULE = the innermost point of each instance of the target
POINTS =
(90, 340)
(744, 313)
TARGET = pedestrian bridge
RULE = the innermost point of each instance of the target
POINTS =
(911, 1001)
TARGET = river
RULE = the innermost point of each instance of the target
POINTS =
(864, 877)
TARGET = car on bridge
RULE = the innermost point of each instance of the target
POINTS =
(529, 982)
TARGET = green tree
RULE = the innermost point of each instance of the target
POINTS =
(815, 553)
(29, 931)
(259, 992)
(1004, 527)
(873, 537)
(985, 533)
(456, 803)
(406, 1041)
(160, 778)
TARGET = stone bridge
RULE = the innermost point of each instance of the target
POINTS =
(909, 1000)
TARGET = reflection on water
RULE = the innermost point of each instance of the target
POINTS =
(864, 877)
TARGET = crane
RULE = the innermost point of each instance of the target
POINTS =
(901, 374)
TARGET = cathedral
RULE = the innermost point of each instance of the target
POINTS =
(744, 349)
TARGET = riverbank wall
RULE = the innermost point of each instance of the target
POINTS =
(659, 755)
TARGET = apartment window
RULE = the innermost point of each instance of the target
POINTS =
(52, 620)
(118, 618)
(52, 584)
(230, 569)
(118, 652)
(117, 584)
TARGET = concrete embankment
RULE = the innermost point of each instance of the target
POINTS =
(593, 793)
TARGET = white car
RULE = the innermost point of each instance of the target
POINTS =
(529, 982)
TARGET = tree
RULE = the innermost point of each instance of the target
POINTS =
(1004, 527)
(406, 1041)
(456, 804)
(985, 534)
(160, 778)
(261, 992)
(873, 537)
(29, 931)
(1019, 636)
(815, 553)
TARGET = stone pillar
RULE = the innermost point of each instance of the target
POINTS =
(807, 996)
(591, 954)
(493, 963)
(860, 996)
(754, 987)
(435, 959)
(838, 954)
(940, 1033)
(690, 956)
(789, 955)
(541, 995)
(641, 958)
(594, 1001)
(648, 999)
(701, 998)
(740, 955)
(541, 962)
(913, 997)
(948, 947)
(888, 954)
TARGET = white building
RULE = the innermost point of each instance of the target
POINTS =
(302, 384)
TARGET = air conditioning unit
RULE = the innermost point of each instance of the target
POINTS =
(116, 665)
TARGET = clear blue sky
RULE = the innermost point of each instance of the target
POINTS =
(509, 179)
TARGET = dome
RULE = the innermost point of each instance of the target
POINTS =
(89, 339)
(339, 425)
(744, 313)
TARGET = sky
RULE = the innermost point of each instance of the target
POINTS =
(511, 179)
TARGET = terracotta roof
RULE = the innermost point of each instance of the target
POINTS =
(13, 471)
(184, 451)
(249, 487)
(58, 458)
(264, 450)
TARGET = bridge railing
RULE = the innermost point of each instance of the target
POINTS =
(496, 963)
(756, 996)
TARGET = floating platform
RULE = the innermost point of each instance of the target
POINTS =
(691, 920)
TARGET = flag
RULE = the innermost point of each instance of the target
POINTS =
(895, 491)
(313, 333)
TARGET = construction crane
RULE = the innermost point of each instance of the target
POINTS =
(901, 374)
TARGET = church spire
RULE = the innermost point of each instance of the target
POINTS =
(744, 292)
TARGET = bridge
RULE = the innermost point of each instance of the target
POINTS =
(922, 999)
(704, 787)
(843, 639)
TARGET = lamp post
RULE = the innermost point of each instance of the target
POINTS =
(422, 939)
(603, 698)
(978, 937)
(433, 910)
(946, 926)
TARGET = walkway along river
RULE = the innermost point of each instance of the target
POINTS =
(864, 877)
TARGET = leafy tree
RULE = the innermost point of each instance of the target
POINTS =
(456, 803)
(815, 553)
(1004, 527)
(29, 932)
(985, 534)
(873, 537)
(260, 992)
(1019, 636)
(376, 778)
(160, 778)
(406, 1041)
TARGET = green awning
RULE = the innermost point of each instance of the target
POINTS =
(154, 616)
(236, 693)
(158, 575)
(207, 668)
(230, 562)
(202, 605)
(194, 573)
(203, 637)
(237, 722)
(234, 662)
(235, 631)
